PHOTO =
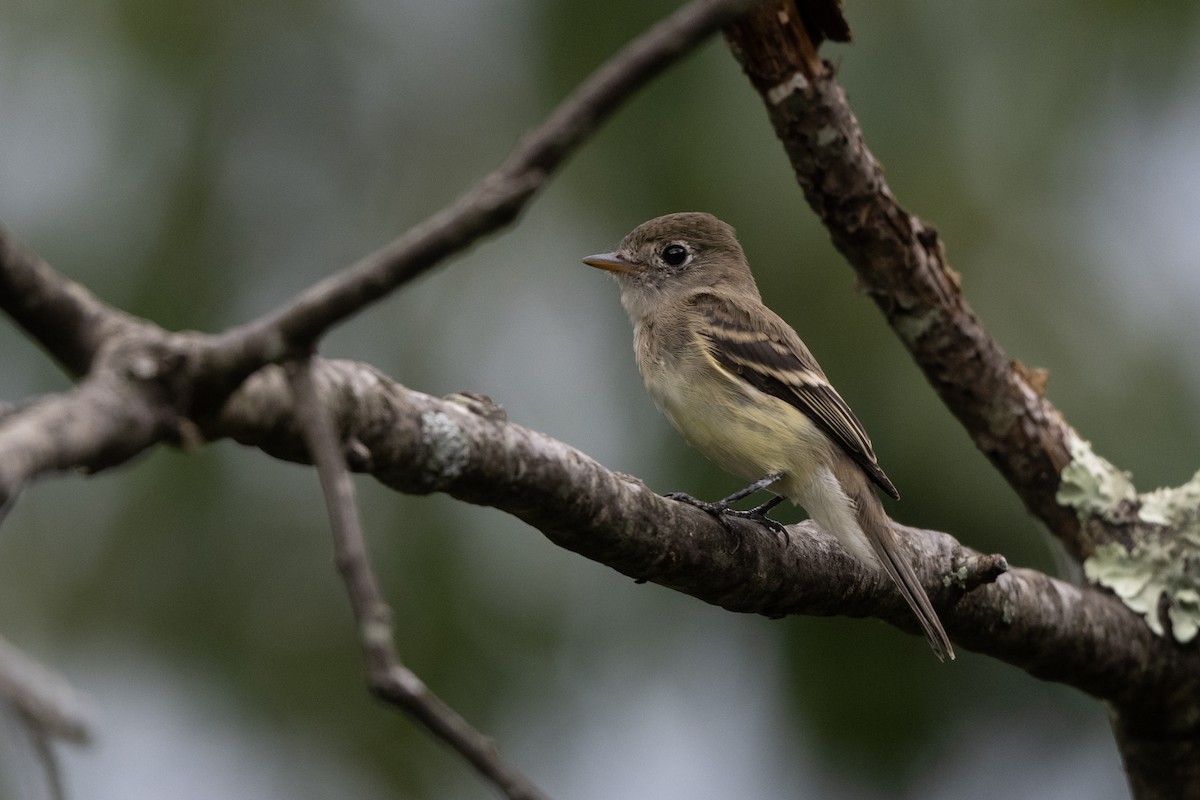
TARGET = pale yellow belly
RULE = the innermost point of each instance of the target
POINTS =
(746, 432)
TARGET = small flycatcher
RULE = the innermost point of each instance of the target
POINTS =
(743, 389)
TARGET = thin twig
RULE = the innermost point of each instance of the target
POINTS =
(43, 706)
(43, 698)
(388, 677)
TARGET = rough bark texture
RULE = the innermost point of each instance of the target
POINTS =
(464, 447)
(901, 263)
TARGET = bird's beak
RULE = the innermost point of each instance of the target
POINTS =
(613, 262)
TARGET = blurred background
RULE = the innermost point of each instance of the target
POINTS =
(199, 162)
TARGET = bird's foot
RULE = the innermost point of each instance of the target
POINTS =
(759, 514)
(723, 512)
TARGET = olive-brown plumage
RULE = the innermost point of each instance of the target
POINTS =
(742, 388)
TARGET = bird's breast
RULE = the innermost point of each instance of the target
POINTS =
(743, 430)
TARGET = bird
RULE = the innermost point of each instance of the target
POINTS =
(742, 388)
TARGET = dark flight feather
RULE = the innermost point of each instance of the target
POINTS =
(772, 359)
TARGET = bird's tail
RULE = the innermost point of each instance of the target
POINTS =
(877, 527)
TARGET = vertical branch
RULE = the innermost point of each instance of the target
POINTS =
(901, 263)
(389, 679)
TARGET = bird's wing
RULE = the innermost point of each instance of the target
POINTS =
(771, 357)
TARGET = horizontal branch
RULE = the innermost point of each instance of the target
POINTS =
(464, 447)
(111, 416)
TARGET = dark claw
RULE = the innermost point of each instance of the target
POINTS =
(756, 515)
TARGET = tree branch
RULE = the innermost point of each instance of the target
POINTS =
(418, 444)
(194, 373)
(143, 385)
(46, 707)
(490, 204)
(71, 323)
(44, 699)
(389, 678)
(901, 263)
(111, 416)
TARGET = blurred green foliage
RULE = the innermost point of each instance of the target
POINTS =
(199, 163)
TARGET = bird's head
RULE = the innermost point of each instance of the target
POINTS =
(669, 257)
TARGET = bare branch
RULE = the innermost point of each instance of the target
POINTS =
(418, 444)
(902, 264)
(66, 319)
(388, 677)
(44, 698)
(47, 762)
(491, 203)
(76, 327)
(111, 416)
(45, 707)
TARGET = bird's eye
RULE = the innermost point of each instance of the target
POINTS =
(674, 254)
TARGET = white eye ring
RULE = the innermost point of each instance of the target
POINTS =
(674, 255)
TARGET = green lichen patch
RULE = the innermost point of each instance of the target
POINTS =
(1185, 614)
(1091, 485)
(1164, 560)
(1178, 507)
(956, 578)
(1159, 565)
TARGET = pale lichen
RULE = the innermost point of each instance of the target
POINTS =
(1008, 611)
(777, 94)
(1178, 507)
(955, 577)
(828, 135)
(448, 448)
(1091, 485)
(912, 327)
(1164, 559)
(1159, 565)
